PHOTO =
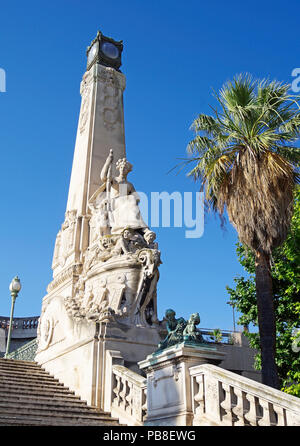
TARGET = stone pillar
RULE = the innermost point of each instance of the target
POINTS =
(169, 396)
(100, 128)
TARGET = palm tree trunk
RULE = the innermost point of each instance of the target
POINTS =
(266, 319)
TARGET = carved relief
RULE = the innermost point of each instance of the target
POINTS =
(70, 273)
(176, 371)
(65, 239)
(51, 328)
(110, 76)
(57, 250)
(110, 96)
(87, 80)
(84, 113)
(110, 100)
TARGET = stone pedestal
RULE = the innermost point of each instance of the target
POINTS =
(79, 353)
(169, 396)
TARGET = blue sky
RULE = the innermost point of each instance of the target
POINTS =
(174, 54)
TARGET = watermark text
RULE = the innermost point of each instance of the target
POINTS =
(2, 80)
(296, 82)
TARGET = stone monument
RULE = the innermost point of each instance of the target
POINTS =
(169, 385)
(101, 303)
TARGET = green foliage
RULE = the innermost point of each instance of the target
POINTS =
(286, 289)
(246, 160)
(217, 335)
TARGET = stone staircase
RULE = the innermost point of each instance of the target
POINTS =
(30, 396)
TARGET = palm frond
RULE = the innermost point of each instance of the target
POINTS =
(245, 159)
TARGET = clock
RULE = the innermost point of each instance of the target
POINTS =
(92, 53)
(110, 50)
(104, 51)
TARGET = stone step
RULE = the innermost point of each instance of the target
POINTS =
(54, 421)
(18, 362)
(29, 376)
(26, 392)
(33, 388)
(53, 400)
(30, 396)
(29, 380)
(19, 370)
(20, 374)
(9, 364)
(50, 410)
(35, 391)
(40, 406)
(61, 414)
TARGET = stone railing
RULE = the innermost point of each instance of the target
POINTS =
(26, 352)
(23, 323)
(224, 398)
(129, 403)
(219, 336)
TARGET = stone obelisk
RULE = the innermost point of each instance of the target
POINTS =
(100, 128)
(101, 121)
(101, 303)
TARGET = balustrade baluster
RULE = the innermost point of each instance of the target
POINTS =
(123, 402)
(137, 403)
(280, 415)
(239, 408)
(265, 419)
(130, 401)
(199, 395)
(226, 405)
(251, 415)
(144, 404)
(129, 398)
(116, 390)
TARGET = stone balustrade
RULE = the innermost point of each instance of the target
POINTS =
(129, 402)
(21, 323)
(221, 397)
(185, 387)
(24, 329)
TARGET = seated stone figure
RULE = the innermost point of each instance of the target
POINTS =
(175, 329)
(191, 333)
(123, 198)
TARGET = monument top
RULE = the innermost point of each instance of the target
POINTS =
(105, 51)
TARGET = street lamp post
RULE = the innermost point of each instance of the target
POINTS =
(233, 315)
(14, 288)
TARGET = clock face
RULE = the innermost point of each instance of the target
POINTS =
(92, 53)
(110, 50)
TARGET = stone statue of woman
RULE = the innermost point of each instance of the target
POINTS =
(122, 197)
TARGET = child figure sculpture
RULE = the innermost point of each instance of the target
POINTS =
(191, 333)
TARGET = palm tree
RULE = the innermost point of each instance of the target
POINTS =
(246, 162)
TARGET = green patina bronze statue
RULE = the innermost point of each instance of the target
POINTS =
(191, 333)
(175, 329)
(180, 330)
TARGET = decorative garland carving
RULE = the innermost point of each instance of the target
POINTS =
(72, 272)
